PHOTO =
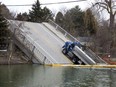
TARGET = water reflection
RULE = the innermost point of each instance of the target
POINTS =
(46, 76)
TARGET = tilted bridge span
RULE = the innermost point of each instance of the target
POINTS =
(42, 43)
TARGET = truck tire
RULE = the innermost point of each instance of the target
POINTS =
(64, 51)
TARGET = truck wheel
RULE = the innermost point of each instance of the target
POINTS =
(74, 60)
(64, 51)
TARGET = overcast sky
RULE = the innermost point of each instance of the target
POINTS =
(56, 7)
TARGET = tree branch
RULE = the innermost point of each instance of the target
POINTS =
(98, 3)
(105, 8)
(114, 13)
(106, 1)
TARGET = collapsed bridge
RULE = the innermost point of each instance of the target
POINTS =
(42, 43)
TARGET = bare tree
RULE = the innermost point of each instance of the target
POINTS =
(103, 38)
(110, 7)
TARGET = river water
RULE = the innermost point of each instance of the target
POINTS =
(47, 76)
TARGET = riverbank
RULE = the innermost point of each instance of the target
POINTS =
(17, 57)
(111, 61)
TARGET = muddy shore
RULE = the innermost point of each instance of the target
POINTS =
(17, 57)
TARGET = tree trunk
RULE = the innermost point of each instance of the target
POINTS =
(111, 22)
(113, 34)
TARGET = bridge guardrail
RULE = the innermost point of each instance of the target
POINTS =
(30, 44)
(65, 33)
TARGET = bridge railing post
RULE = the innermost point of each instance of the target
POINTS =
(56, 27)
(65, 34)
